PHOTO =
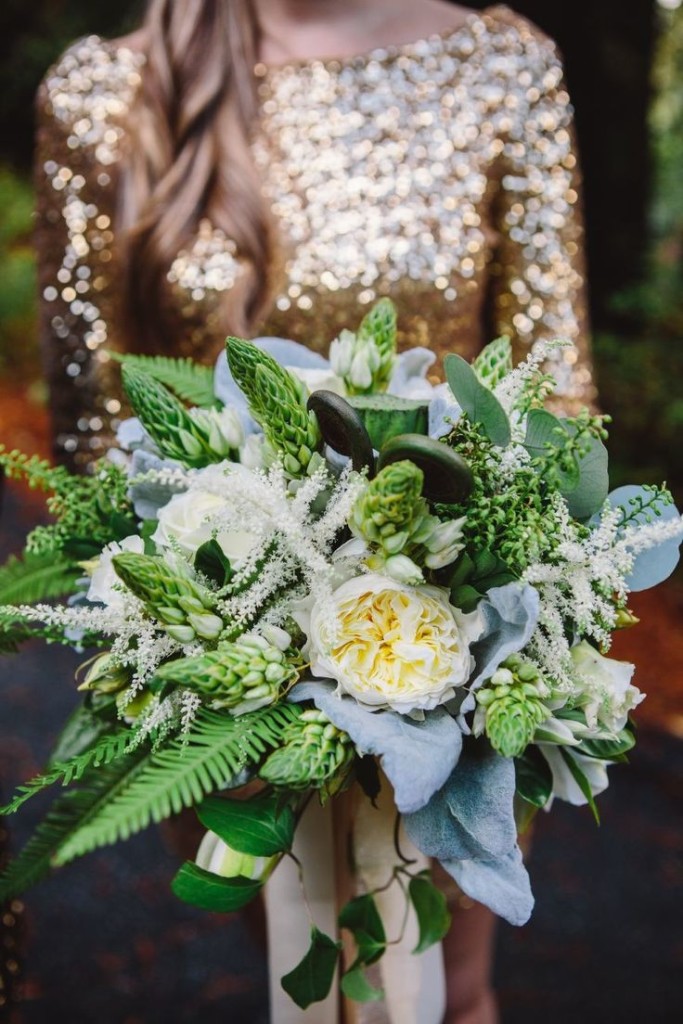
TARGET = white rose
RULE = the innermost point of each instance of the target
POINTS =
(187, 522)
(604, 687)
(391, 645)
(104, 578)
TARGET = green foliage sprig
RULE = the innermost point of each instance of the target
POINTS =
(188, 380)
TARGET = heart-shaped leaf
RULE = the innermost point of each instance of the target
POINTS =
(311, 979)
(432, 913)
(209, 891)
(259, 826)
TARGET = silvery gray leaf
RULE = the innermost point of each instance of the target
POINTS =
(511, 614)
(472, 816)
(502, 885)
(416, 757)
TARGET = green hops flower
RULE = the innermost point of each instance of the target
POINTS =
(312, 752)
(365, 360)
(185, 608)
(175, 431)
(241, 676)
(513, 705)
(494, 362)
(392, 514)
(277, 400)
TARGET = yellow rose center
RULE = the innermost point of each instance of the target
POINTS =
(391, 642)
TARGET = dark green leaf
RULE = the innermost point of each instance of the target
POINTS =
(581, 781)
(609, 750)
(534, 777)
(257, 826)
(356, 986)
(212, 562)
(208, 891)
(463, 569)
(432, 913)
(466, 598)
(311, 980)
(480, 404)
(80, 549)
(361, 917)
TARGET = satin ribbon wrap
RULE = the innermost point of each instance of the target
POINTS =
(414, 985)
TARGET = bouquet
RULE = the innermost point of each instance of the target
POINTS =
(308, 574)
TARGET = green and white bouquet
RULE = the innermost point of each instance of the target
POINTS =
(309, 574)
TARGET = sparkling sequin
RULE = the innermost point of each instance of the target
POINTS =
(442, 173)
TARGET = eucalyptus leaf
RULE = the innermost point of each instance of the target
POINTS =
(430, 906)
(544, 430)
(655, 565)
(480, 404)
(258, 826)
(591, 492)
(209, 891)
(311, 980)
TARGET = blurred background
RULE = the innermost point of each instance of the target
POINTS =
(106, 940)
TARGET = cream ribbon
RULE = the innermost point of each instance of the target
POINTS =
(414, 986)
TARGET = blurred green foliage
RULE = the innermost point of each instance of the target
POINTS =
(18, 320)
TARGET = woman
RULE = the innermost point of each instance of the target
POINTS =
(272, 167)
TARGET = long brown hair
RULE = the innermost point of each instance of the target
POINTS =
(190, 158)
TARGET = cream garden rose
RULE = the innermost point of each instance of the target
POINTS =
(392, 645)
(186, 522)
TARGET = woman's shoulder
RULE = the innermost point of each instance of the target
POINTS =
(89, 89)
(513, 34)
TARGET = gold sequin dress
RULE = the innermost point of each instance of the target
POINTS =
(441, 172)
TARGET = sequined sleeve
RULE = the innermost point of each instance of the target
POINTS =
(80, 105)
(538, 272)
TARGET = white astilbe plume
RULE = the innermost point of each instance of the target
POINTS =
(176, 477)
(514, 385)
(293, 543)
(584, 580)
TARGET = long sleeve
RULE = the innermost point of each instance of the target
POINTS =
(539, 290)
(80, 106)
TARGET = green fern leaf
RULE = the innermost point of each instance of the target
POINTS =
(107, 750)
(215, 749)
(36, 578)
(188, 380)
(65, 816)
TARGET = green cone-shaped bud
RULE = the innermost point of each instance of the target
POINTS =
(379, 325)
(313, 751)
(365, 360)
(185, 608)
(277, 400)
(494, 362)
(391, 507)
(223, 429)
(240, 676)
(175, 432)
(513, 705)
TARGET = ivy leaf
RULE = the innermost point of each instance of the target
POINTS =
(432, 913)
(533, 777)
(355, 985)
(581, 781)
(480, 404)
(311, 979)
(209, 891)
(361, 917)
(212, 562)
(466, 598)
(259, 826)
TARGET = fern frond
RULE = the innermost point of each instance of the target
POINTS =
(64, 818)
(36, 578)
(107, 750)
(215, 749)
(188, 380)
